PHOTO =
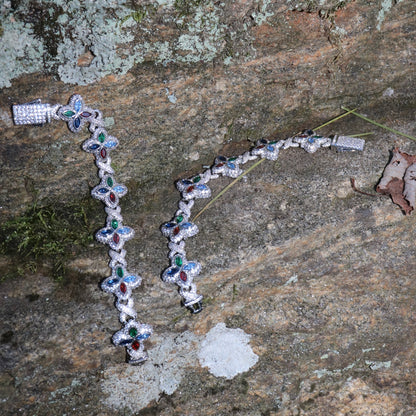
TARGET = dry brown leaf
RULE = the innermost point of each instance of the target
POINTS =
(399, 180)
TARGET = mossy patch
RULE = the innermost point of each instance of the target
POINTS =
(45, 236)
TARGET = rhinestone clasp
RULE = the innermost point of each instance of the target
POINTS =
(347, 144)
(34, 113)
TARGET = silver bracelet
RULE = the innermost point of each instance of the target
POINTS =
(181, 271)
(114, 234)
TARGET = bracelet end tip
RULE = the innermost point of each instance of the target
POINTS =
(347, 144)
(33, 113)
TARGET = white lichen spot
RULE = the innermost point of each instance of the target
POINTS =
(386, 5)
(261, 14)
(129, 387)
(388, 92)
(378, 365)
(226, 352)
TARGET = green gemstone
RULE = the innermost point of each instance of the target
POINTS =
(178, 261)
(120, 272)
(110, 182)
(231, 159)
(69, 113)
(114, 224)
(196, 179)
(101, 137)
(133, 332)
(179, 218)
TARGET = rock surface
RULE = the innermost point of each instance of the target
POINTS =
(320, 277)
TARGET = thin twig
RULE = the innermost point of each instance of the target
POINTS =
(352, 180)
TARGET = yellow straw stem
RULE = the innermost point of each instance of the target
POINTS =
(335, 119)
(227, 188)
(379, 125)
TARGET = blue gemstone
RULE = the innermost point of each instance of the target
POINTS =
(110, 143)
(130, 279)
(186, 182)
(94, 146)
(119, 189)
(103, 190)
(186, 225)
(170, 224)
(124, 230)
(231, 165)
(189, 266)
(270, 148)
(77, 122)
(201, 187)
(112, 282)
(78, 105)
(222, 158)
(311, 140)
(107, 231)
(143, 336)
(172, 271)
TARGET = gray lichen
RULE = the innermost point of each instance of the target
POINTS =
(55, 36)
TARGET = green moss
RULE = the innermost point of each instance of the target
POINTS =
(186, 7)
(139, 13)
(44, 235)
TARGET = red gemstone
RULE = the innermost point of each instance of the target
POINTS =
(183, 276)
(176, 231)
(135, 345)
(219, 165)
(123, 288)
(103, 153)
(116, 238)
(190, 189)
(112, 197)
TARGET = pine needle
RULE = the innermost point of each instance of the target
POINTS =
(379, 125)
(227, 188)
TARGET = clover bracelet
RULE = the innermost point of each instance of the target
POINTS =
(114, 234)
(182, 272)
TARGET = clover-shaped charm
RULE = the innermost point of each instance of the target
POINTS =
(132, 336)
(179, 229)
(192, 190)
(115, 234)
(181, 272)
(311, 142)
(108, 191)
(76, 114)
(267, 149)
(100, 143)
(121, 283)
(226, 166)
